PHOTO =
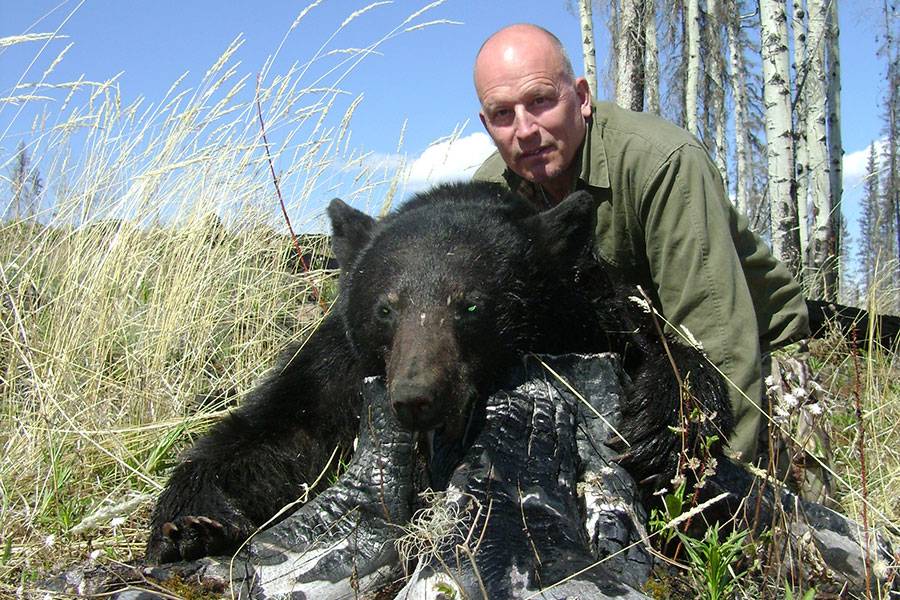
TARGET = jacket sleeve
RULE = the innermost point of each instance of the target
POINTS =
(694, 250)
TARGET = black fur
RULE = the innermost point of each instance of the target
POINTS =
(440, 297)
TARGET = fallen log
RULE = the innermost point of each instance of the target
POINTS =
(540, 510)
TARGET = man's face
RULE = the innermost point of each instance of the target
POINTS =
(532, 109)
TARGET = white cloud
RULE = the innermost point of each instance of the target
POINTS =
(855, 164)
(448, 160)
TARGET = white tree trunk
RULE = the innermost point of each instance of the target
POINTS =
(823, 253)
(587, 45)
(835, 143)
(651, 58)
(801, 157)
(630, 61)
(779, 134)
(716, 63)
(691, 86)
(739, 97)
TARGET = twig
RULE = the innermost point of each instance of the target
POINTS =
(262, 129)
(861, 449)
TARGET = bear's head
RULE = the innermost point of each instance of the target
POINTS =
(441, 296)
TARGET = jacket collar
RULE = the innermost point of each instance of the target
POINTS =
(593, 167)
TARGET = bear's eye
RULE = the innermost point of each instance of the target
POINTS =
(471, 308)
(384, 311)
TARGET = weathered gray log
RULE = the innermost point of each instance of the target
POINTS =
(813, 543)
(539, 502)
(338, 545)
(521, 531)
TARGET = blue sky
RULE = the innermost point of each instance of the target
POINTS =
(422, 78)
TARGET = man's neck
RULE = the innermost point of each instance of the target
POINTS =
(558, 188)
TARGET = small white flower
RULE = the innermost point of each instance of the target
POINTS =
(791, 400)
(770, 381)
(94, 555)
(116, 521)
(49, 541)
(645, 306)
(815, 409)
(691, 339)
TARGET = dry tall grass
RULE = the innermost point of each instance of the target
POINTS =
(158, 271)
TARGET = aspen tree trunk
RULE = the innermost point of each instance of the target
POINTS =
(801, 158)
(739, 97)
(651, 58)
(716, 62)
(587, 45)
(630, 61)
(691, 87)
(779, 134)
(835, 143)
(891, 154)
(823, 253)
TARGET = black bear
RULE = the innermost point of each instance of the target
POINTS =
(440, 297)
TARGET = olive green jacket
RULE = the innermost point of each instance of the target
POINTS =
(663, 222)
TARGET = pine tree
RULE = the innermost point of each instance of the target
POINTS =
(26, 186)
(870, 222)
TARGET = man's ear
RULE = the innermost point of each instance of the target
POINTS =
(584, 93)
(565, 230)
(351, 230)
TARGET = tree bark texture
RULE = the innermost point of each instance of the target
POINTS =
(835, 142)
(630, 61)
(823, 250)
(588, 50)
(801, 158)
(715, 60)
(739, 97)
(779, 134)
(691, 88)
(651, 59)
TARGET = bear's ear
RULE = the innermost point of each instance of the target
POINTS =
(565, 230)
(351, 230)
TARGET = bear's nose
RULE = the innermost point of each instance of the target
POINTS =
(413, 406)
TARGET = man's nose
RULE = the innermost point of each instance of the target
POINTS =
(526, 125)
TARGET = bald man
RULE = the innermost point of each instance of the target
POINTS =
(663, 221)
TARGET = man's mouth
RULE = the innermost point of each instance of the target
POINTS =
(537, 152)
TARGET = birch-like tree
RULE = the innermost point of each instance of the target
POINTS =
(823, 251)
(891, 153)
(651, 58)
(588, 50)
(739, 99)
(833, 102)
(779, 134)
(715, 78)
(692, 75)
(630, 59)
(801, 157)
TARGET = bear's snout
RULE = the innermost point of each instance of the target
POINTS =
(423, 363)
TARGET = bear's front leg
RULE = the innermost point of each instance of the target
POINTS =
(260, 458)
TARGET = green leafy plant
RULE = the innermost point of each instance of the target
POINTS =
(711, 559)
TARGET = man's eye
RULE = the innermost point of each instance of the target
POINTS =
(502, 114)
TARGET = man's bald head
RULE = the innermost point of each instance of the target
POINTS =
(507, 42)
(532, 105)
